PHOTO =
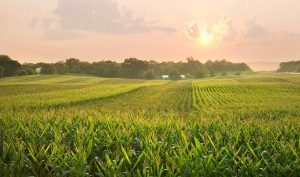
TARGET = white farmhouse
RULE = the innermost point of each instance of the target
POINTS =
(165, 76)
(182, 76)
(38, 70)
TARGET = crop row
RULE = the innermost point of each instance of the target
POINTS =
(104, 146)
(217, 97)
(70, 96)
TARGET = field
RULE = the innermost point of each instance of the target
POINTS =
(63, 125)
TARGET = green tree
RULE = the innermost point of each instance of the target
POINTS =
(61, 67)
(25, 70)
(298, 68)
(223, 66)
(201, 73)
(31, 71)
(194, 67)
(48, 69)
(174, 74)
(10, 66)
(104, 69)
(149, 75)
(290, 66)
(134, 68)
(212, 73)
(73, 65)
(22, 72)
(189, 76)
(224, 74)
(1, 71)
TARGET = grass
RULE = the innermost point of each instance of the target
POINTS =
(88, 126)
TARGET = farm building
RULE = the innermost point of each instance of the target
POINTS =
(38, 70)
(182, 76)
(165, 76)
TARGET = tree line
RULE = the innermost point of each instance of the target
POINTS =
(290, 66)
(129, 68)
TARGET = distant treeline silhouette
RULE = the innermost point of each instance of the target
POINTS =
(130, 68)
(290, 66)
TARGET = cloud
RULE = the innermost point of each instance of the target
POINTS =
(101, 16)
(217, 32)
(193, 30)
(222, 28)
(253, 29)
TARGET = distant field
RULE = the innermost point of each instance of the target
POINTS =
(63, 125)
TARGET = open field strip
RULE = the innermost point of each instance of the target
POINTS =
(171, 97)
(255, 99)
(71, 96)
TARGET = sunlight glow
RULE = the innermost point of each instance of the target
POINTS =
(206, 38)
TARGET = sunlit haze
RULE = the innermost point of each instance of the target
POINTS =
(262, 32)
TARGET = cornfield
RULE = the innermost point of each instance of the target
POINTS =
(89, 126)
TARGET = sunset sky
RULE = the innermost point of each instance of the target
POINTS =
(93, 30)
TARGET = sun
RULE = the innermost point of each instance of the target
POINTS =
(206, 38)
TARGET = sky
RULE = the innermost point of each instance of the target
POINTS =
(163, 30)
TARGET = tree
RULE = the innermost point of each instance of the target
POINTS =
(290, 66)
(224, 74)
(104, 69)
(73, 65)
(1, 71)
(149, 75)
(298, 68)
(223, 66)
(10, 66)
(195, 68)
(61, 67)
(201, 74)
(29, 65)
(134, 68)
(189, 76)
(25, 70)
(243, 67)
(48, 69)
(174, 74)
(212, 73)
(84, 67)
(22, 72)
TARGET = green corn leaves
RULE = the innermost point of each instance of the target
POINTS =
(63, 126)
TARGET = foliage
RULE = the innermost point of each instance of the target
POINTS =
(212, 73)
(48, 69)
(73, 65)
(149, 75)
(62, 125)
(224, 74)
(26, 71)
(174, 74)
(10, 66)
(61, 68)
(201, 74)
(188, 76)
(134, 68)
(104, 69)
(223, 66)
(1, 71)
(290, 66)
